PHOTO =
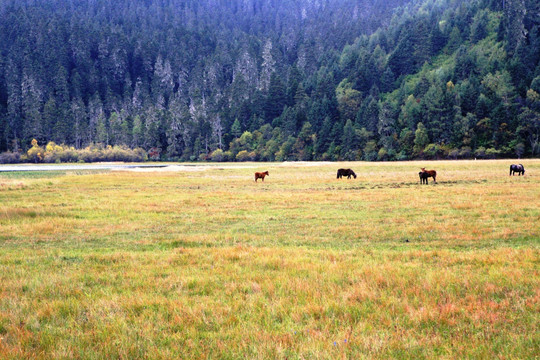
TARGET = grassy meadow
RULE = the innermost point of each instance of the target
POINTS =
(204, 263)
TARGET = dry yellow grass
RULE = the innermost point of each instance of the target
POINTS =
(210, 264)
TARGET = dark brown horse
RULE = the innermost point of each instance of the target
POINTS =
(425, 174)
(345, 172)
(423, 177)
(261, 175)
(520, 169)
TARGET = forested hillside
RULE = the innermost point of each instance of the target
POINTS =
(273, 80)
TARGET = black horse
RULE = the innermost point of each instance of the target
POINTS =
(423, 177)
(345, 172)
(517, 169)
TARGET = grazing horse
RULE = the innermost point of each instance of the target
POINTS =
(261, 175)
(517, 169)
(345, 172)
(425, 174)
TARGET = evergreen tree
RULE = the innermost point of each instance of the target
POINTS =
(276, 99)
(349, 143)
(421, 139)
(236, 128)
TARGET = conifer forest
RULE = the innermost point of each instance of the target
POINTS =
(272, 80)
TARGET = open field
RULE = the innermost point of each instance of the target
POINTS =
(209, 264)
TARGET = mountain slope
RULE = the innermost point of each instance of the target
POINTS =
(273, 80)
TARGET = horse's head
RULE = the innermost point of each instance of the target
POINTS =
(423, 169)
(267, 174)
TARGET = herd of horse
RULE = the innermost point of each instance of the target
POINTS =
(424, 175)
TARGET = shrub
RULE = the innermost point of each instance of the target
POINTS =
(465, 152)
(492, 153)
(217, 155)
(382, 155)
(228, 156)
(453, 154)
(9, 157)
(242, 156)
(480, 152)
(54, 153)
(36, 152)
(69, 155)
(203, 157)
(433, 151)
(401, 156)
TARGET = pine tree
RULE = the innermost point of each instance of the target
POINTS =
(138, 132)
(349, 142)
(236, 129)
(276, 99)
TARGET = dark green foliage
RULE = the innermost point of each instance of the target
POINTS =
(267, 80)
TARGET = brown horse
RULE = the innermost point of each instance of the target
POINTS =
(425, 174)
(261, 175)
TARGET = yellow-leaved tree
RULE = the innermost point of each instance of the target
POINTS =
(36, 152)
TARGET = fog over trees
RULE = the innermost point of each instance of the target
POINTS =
(273, 80)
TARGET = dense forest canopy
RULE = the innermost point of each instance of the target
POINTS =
(273, 79)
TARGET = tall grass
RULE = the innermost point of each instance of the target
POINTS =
(210, 264)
